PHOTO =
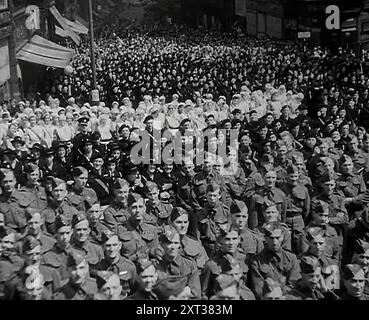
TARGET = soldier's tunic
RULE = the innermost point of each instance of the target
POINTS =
(209, 222)
(116, 214)
(148, 233)
(77, 197)
(281, 266)
(94, 253)
(215, 266)
(258, 201)
(297, 210)
(175, 275)
(71, 291)
(125, 269)
(53, 210)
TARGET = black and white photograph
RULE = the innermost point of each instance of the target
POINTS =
(200, 151)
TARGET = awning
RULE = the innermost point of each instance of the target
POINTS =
(76, 26)
(45, 52)
(75, 37)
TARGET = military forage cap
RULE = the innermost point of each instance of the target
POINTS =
(212, 187)
(345, 158)
(75, 258)
(168, 234)
(30, 243)
(133, 197)
(77, 171)
(77, 218)
(102, 277)
(120, 183)
(269, 228)
(314, 232)
(327, 176)
(177, 212)
(309, 264)
(319, 206)
(352, 270)
(61, 221)
(107, 235)
(270, 285)
(143, 264)
(237, 206)
(31, 167)
(224, 281)
(31, 212)
(361, 246)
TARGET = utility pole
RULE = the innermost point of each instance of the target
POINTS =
(94, 92)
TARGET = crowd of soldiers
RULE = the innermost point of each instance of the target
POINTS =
(262, 197)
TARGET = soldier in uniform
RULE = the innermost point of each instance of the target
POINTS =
(190, 247)
(35, 223)
(274, 262)
(81, 242)
(32, 190)
(225, 288)
(338, 216)
(272, 290)
(354, 283)
(58, 205)
(229, 251)
(234, 269)
(267, 192)
(316, 242)
(271, 214)
(251, 242)
(214, 214)
(359, 157)
(32, 253)
(178, 277)
(80, 285)
(320, 221)
(138, 228)
(202, 179)
(57, 257)
(94, 217)
(13, 203)
(361, 257)
(116, 214)
(184, 194)
(350, 185)
(10, 262)
(311, 286)
(82, 134)
(147, 278)
(79, 193)
(298, 206)
(114, 262)
(108, 286)
(155, 208)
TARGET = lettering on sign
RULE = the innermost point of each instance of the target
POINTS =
(332, 22)
(33, 20)
(3, 4)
